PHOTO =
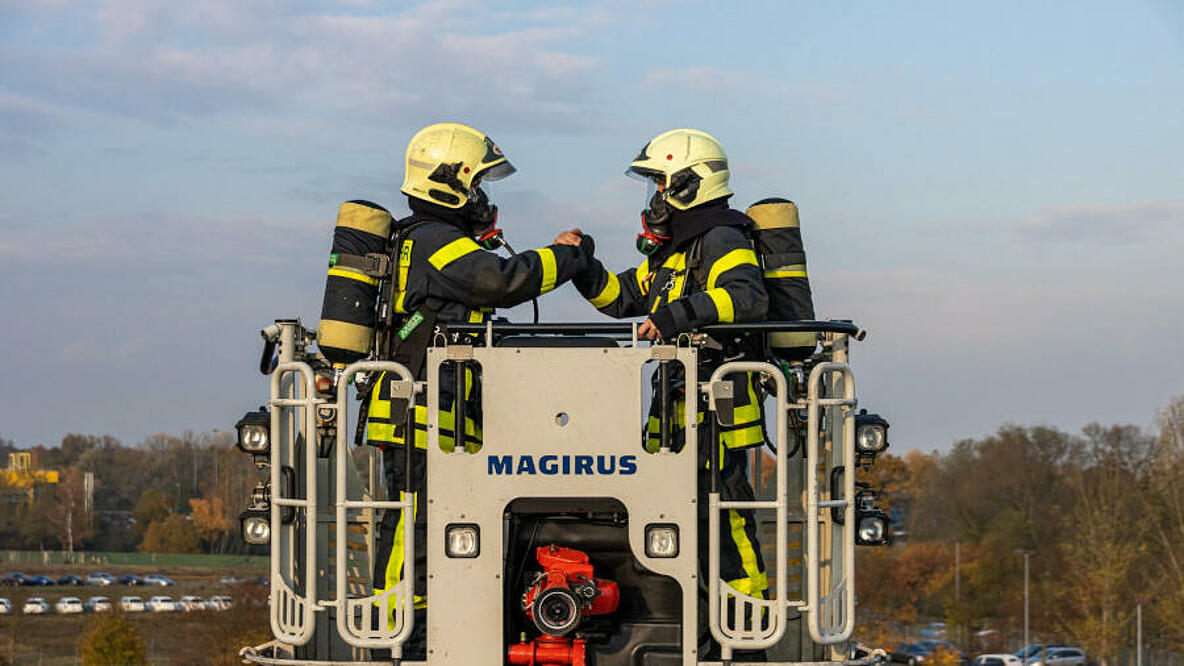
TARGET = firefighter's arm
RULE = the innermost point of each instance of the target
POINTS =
(616, 295)
(464, 272)
(734, 289)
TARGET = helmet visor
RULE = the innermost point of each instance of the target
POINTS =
(642, 173)
(495, 172)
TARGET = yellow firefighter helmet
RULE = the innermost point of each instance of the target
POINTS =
(690, 164)
(446, 161)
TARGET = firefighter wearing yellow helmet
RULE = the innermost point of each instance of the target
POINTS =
(447, 273)
(700, 269)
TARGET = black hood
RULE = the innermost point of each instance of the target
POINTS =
(687, 225)
(457, 217)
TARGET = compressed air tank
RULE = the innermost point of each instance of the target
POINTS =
(346, 331)
(778, 239)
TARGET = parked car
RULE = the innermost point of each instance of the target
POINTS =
(98, 604)
(232, 580)
(1033, 651)
(910, 653)
(190, 603)
(69, 579)
(5, 607)
(161, 605)
(35, 606)
(933, 645)
(997, 660)
(1060, 656)
(100, 579)
(132, 604)
(12, 579)
(68, 605)
(158, 579)
(934, 630)
(260, 580)
(220, 602)
(130, 579)
(37, 581)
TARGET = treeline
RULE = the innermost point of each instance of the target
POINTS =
(1102, 510)
(178, 494)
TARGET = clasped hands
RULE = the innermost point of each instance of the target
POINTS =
(574, 237)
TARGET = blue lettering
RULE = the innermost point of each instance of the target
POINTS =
(606, 464)
(628, 464)
(501, 465)
(567, 464)
(549, 464)
(525, 465)
(584, 465)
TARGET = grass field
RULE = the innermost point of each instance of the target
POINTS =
(180, 638)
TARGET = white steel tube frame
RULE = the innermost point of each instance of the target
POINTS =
(293, 617)
(760, 636)
(371, 637)
(822, 631)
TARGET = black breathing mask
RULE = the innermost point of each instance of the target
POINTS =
(482, 218)
(655, 224)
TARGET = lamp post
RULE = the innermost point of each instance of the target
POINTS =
(1139, 627)
(1026, 554)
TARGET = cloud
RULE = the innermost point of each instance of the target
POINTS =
(168, 62)
(727, 82)
(1125, 223)
(21, 120)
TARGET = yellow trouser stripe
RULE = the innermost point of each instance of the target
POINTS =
(756, 580)
(612, 289)
(737, 257)
(453, 251)
(342, 272)
(547, 255)
(723, 305)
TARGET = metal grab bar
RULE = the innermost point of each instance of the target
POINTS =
(355, 617)
(768, 615)
(831, 618)
(293, 616)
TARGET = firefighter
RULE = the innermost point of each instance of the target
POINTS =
(447, 273)
(699, 269)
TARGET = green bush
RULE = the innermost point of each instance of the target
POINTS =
(112, 641)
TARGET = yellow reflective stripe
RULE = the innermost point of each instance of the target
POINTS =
(680, 276)
(785, 274)
(404, 269)
(394, 566)
(453, 251)
(476, 316)
(342, 272)
(755, 586)
(547, 255)
(676, 260)
(738, 257)
(756, 580)
(723, 305)
(641, 273)
(612, 289)
(743, 437)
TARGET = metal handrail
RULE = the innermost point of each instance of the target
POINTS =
(371, 637)
(821, 629)
(286, 604)
(626, 328)
(759, 637)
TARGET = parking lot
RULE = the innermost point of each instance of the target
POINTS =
(177, 637)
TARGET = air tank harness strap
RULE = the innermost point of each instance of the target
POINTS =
(374, 264)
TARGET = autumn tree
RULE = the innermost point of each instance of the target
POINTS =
(153, 506)
(68, 511)
(174, 534)
(1166, 527)
(212, 520)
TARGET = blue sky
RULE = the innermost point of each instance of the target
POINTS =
(994, 190)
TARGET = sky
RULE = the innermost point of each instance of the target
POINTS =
(995, 191)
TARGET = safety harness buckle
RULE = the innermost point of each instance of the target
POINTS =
(374, 264)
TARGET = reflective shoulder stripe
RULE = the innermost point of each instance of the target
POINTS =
(640, 275)
(723, 305)
(610, 293)
(793, 270)
(547, 255)
(675, 261)
(738, 257)
(349, 273)
(453, 251)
